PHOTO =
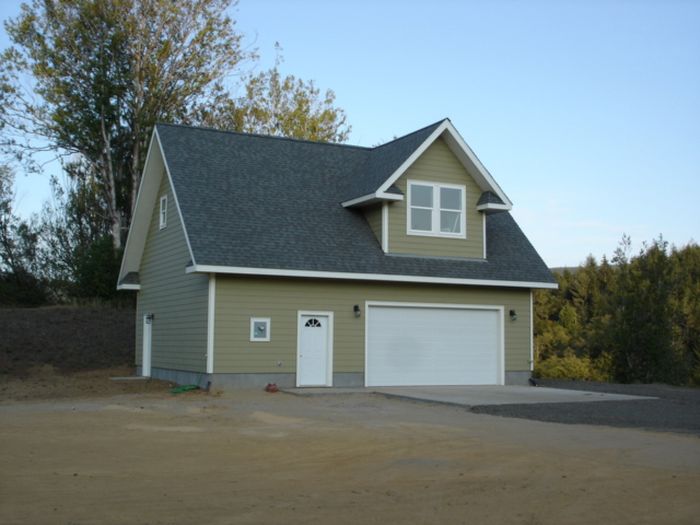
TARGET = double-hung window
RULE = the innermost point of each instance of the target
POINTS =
(436, 209)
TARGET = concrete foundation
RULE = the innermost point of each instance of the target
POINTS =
(518, 378)
(283, 380)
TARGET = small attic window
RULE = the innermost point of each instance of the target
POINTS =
(163, 212)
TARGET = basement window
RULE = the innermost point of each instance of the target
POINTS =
(259, 329)
(163, 211)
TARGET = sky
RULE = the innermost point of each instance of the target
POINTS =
(586, 113)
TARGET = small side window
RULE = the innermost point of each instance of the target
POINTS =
(163, 211)
(259, 329)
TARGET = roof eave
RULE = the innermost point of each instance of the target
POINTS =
(492, 206)
(463, 152)
(372, 198)
(281, 272)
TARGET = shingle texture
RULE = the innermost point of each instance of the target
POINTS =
(130, 278)
(489, 197)
(264, 202)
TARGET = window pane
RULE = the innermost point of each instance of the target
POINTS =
(421, 195)
(421, 219)
(450, 199)
(260, 329)
(450, 222)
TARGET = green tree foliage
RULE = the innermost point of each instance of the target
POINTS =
(102, 72)
(280, 106)
(635, 319)
(20, 283)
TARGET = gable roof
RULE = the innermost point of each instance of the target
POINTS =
(268, 205)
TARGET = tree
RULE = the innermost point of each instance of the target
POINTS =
(20, 281)
(281, 106)
(104, 71)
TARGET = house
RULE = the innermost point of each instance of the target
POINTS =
(262, 259)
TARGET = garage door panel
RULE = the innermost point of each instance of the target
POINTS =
(432, 346)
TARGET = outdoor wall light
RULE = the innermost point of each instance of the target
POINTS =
(356, 310)
(513, 315)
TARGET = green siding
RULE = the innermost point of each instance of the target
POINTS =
(178, 300)
(240, 298)
(437, 164)
(373, 214)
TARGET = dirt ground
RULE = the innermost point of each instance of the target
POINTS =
(251, 457)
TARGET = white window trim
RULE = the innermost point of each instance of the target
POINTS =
(163, 212)
(436, 210)
(254, 320)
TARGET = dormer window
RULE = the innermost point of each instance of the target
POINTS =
(437, 210)
(163, 211)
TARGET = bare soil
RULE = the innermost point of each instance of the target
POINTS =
(252, 457)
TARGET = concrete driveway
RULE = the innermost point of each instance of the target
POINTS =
(476, 395)
(499, 395)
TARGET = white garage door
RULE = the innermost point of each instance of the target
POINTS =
(433, 346)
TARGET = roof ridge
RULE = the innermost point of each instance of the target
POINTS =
(261, 136)
(411, 133)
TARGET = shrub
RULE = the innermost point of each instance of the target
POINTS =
(571, 366)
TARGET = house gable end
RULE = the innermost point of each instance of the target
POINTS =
(437, 167)
(148, 200)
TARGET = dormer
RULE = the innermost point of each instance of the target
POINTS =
(432, 197)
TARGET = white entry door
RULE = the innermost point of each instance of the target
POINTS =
(146, 346)
(314, 352)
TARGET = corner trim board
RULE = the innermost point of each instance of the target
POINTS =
(211, 317)
(532, 336)
(238, 270)
(385, 227)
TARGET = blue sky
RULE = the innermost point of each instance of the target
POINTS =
(586, 113)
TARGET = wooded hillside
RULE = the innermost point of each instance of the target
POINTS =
(630, 319)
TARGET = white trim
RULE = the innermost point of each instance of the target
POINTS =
(147, 343)
(483, 232)
(499, 308)
(436, 221)
(372, 197)
(492, 206)
(211, 319)
(163, 212)
(329, 344)
(265, 320)
(138, 230)
(128, 287)
(532, 336)
(241, 270)
(129, 236)
(385, 227)
(463, 152)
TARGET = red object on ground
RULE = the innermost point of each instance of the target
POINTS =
(272, 388)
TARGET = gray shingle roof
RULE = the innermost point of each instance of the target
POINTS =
(265, 202)
(382, 161)
(130, 278)
(489, 197)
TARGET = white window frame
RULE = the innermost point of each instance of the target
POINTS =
(435, 232)
(163, 212)
(253, 338)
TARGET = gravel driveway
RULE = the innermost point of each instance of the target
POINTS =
(676, 409)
